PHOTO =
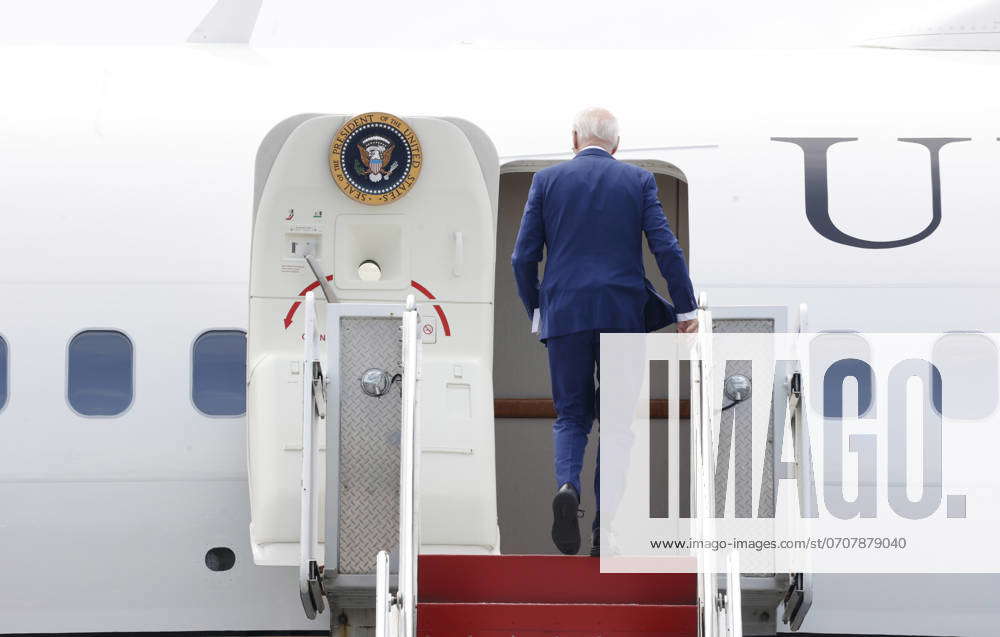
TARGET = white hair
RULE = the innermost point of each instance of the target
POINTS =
(596, 126)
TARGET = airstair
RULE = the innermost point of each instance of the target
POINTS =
(444, 595)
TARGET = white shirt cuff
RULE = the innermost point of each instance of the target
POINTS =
(687, 316)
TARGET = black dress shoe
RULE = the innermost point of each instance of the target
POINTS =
(565, 523)
(595, 543)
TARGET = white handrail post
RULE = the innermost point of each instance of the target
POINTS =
(307, 528)
(695, 468)
(404, 602)
(409, 436)
(706, 575)
(383, 602)
(674, 437)
(703, 419)
(798, 596)
(734, 597)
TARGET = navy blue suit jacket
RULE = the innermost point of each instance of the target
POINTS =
(589, 214)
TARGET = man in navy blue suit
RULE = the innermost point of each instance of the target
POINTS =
(589, 215)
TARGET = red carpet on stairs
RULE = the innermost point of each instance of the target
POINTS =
(528, 595)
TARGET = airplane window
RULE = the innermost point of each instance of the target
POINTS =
(3, 372)
(970, 371)
(219, 365)
(100, 373)
(221, 558)
(836, 356)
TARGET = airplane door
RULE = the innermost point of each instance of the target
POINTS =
(383, 207)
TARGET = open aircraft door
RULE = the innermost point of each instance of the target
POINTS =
(353, 216)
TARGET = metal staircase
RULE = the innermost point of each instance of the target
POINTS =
(464, 595)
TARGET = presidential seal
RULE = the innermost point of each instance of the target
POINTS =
(375, 158)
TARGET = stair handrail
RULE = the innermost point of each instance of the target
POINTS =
(409, 472)
(702, 491)
(732, 603)
(384, 602)
(313, 406)
(798, 594)
(721, 612)
(403, 605)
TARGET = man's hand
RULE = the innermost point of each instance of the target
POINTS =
(687, 327)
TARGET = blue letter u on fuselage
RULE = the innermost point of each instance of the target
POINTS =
(817, 189)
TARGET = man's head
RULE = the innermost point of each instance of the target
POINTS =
(595, 127)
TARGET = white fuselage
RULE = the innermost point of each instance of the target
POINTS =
(126, 200)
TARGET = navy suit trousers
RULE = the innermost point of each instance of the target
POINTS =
(574, 367)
